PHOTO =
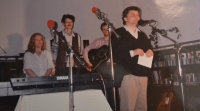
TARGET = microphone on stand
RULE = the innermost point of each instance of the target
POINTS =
(54, 44)
(98, 13)
(101, 15)
(145, 22)
(51, 25)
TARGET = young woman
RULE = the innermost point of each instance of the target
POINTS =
(37, 60)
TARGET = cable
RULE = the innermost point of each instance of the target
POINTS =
(104, 86)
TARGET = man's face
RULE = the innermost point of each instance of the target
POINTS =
(132, 18)
(105, 30)
(68, 24)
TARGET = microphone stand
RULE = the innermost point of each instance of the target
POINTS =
(111, 65)
(3, 51)
(102, 16)
(70, 52)
(178, 47)
(111, 55)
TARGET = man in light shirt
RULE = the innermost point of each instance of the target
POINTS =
(96, 44)
(126, 50)
(103, 68)
(67, 37)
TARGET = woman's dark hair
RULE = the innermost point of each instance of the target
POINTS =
(125, 12)
(31, 44)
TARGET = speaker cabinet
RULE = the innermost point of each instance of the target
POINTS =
(10, 67)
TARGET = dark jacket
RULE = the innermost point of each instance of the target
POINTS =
(121, 54)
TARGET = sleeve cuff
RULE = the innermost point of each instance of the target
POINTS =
(131, 53)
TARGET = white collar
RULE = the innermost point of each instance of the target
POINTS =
(134, 34)
(128, 29)
(64, 33)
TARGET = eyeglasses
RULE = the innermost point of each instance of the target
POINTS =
(104, 29)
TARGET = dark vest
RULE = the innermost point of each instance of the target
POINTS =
(61, 56)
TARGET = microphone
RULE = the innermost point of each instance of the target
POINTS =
(98, 13)
(95, 10)
(51, 25)
(145, 22)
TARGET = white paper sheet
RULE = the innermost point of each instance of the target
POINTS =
(145, 61)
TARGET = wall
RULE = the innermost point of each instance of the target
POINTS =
(20, 19)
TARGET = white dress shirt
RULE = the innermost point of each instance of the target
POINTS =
(38, 64)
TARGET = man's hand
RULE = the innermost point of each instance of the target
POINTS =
(89, 66)
(149, 53)
(139, 52)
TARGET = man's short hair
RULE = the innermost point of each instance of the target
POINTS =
(67, 16)
(125, 12)
(103, 24)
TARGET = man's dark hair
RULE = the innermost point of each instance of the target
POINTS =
(125, 12)
(67, 16)
(103, 24)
